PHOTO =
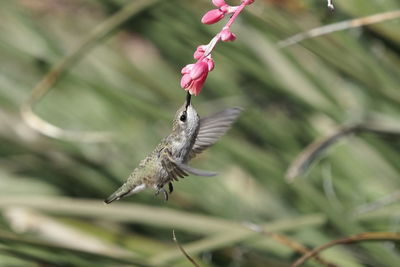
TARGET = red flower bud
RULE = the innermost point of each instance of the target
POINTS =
(199, 51)
(218, 3)
(248, 2)
(199, 69)
(212, 16)
(185, 81)
(227, 35)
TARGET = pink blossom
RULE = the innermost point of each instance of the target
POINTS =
(186, 80)
(199, 52)
(187, 68)
(210, 63)
(212, 16)
(196, 85)
(218, 3)
(227, 35)
(193, 86)
(248, 2)
(198, 70)
(195, 75)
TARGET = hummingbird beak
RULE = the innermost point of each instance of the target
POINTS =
(188, 99)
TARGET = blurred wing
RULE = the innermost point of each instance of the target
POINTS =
(173, 170)
(194, 171)
(212, 128)
(177, 170)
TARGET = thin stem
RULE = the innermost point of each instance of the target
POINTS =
(339, 26)
(211, 45)
(289, 243)
(347, 240)
(183, 251)
(233, 18)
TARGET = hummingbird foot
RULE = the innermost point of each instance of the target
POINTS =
(164, 192)
(170, 187)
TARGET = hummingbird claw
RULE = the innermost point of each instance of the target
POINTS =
(165, 195)
(164, 192)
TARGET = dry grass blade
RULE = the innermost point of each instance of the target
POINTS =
(301, 164)
(289, 243)
(53, 76)
(232, 236)
(339, 26)
(347, 240)
(34, 242)
(312, 152)
(378, 204)
(183, 251)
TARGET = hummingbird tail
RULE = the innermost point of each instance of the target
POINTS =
(113, 197)
(124, 191)
(119, 193)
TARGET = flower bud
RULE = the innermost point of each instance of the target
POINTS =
(227, 35)
(218, 3)
(212, 16)
(188, 68)
(186, 81)
(248, 2)
(210, 63)
(199, 69)
(199, 51)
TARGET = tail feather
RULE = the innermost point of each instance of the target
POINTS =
(118, 194)
(114, 196)
(123, 191)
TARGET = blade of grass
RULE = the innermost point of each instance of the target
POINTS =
(6, 237)
(339, 26)
(52, 77)
(313, 151)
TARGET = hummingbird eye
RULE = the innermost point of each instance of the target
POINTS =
(183, 116)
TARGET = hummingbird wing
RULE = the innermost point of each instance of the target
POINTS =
(177, 169)
(212, 128)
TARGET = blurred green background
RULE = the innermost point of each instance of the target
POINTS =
(51, 190)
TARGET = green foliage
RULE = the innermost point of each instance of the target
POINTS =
(51, 192)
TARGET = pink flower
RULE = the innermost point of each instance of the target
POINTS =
(218, 3)
(187, 68)
(248, 2)
(199, 51)
(212, 16)
(195, 75)
(210, 63)
(185, 81)
(199, 69)
(227, 35)
(193, 86)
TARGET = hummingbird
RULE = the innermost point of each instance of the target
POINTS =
(169, 161)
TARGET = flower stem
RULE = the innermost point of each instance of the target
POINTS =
(237, 12)
(211, 45)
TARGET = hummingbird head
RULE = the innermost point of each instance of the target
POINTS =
(186, 119)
